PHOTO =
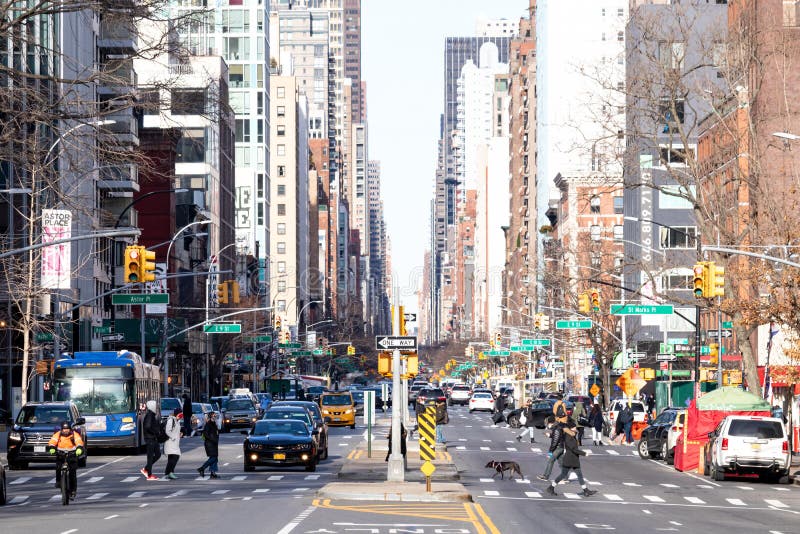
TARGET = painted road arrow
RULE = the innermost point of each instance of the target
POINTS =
(396, 342)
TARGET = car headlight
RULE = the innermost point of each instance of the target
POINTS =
(301, 447)
(16, 436)
(255, 446)
(126, 427)
(254, 419)
(349, 410)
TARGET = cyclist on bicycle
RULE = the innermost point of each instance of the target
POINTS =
(67, 440)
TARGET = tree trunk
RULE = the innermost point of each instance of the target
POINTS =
(749, 360)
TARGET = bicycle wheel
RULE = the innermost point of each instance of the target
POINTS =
(64, 486)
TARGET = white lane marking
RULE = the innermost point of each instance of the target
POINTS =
(533, 494)
(177, 493)
(129, 479)
(346, 437)
(247, 498)
(695, 500)
(512, 449)
(70, 531)
(653, 498)
(613, 453)
(736, 502)
(20, 480)
(776, 503)
(775, 532)
(238, 456)
(261, 490)
(491, 492)
(144, 505)
(275, 477)
(781, 489)
(93, 469)
(588, 452)
(201, 478)
(96, 496)
(746, 488)
(536, 449)
(487, 480)
(486, 440)
(509, 441)
(632, 484)
(701, 479)
(240, 477)
(111, 516)
(648, 512)
(311, 477)
(676, 523)
(705, 486)
(18, 499)
(522, 481)
(344, 444)
(296, 521)
(467, 426)
(485, 448)
(226, 464)
(462, 439)
(220, 492)
(461, 448)
(298, 490)
(94, 480)
(572, 496)
(136, 495)
(612, 497)
(55, 498)
(670, 486)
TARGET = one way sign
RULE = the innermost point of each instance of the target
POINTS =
(409, 317)
(396, 342)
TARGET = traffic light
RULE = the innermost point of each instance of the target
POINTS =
(222, 292)
(498, 339)
(583, 303)
(713, 353)
(351, 350)
(537, 322)
(544, 322)
(595, 296)
(699, 285)
(716, 280)
(133, 264)
(234, 291)
(385, 363)
(148, 264)
(402, 321)
(412, 364)
(285, 337)
(277, 322)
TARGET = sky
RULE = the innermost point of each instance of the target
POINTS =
(402, 61)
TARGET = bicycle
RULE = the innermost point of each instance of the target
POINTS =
(63, 475)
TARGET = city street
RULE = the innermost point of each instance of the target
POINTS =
(634, 495)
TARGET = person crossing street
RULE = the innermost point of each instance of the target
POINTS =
(151, 429)
(556, 446)
(172, 447)
(571, 462)
(596, 424)
(528, 424)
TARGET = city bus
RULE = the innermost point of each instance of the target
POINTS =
(110, 389)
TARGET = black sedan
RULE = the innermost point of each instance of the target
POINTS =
(320, 423)
(653, 443)
(280, 442)
(542, 409)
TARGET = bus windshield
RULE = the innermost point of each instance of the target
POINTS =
(96, 396)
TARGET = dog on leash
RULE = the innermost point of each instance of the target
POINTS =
(502, 466)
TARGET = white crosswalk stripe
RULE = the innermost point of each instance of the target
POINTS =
(736, 502)
(240, 477)
(746, 488)
(298, 490)
(533, 494)
(261, 490)
(572, 496)
(461, 448)
(96, 496)
(613, 453)
(653, 498)
(776, 503)
(612, 497)
(487, 480)
(491, 493)
(632, 484)
(177, 493)
(485, 448)
(20, 480)
(695, 500)
(219, 492)
(512, 449)
(670, 486)
(19, 499)
(129, 479)
(312, 477)
(136, 495)
(522, 481)
(94, 480)
(275, 477)
(55, 498)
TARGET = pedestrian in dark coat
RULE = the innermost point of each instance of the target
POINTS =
(596, 424)
(187, 415)
(528, 411)
(571, 462)
(442, 418)
(499, 404)
(556, 449)
(578, 416)
(626, 418)
(211, 444)
(151, 428)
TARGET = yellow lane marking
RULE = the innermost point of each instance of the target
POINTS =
(350, 456)
(454, 512)
(486, 520)
(444, 456)
(474, 520)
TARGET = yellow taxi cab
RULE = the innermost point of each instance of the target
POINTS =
(338, 406)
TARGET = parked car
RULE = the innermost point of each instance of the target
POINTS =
(542, 409)
(320, 424)
(481, 400)
(239, 412)
(283, 441)
(200, 411)
(638, 408)
(414, 391)
(654, 442)
(672, 436)
(430, 394)
(339, 407)
(36, 422)
(587, 401)
(743, 444)
(460, 394)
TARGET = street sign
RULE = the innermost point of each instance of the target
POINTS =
(409, 317)
(642, 309)
(684, 348)
(395, 342)
(715, 333)
(520, 348)
(102, 329)
(113, 337)
(498, 353)
(44, 336)
(663, 366)
(369, 410)
(290, 345)
(258, 339)
(121, 299)
(223, 328)
(299, 353)
(318, 352)
(727, 324)
(573, 325)
(594, 390)
(665, 357)
(536, 342)
(636, 356)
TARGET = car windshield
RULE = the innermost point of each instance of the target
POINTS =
(197, 407)
(756, 428)
(337, 400)
(430, 392)
(289, 426)
(42, 415)
(169, 404)
(288, 414)
(481, 396)
(358, 396)
(316, 389)
(239, 404)
(664, 418)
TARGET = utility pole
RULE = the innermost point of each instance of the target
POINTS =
(396, 468)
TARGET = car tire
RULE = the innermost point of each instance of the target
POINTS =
(641, 447)
(3, 493)
(249, 468)
(324, 455)
(311, 467)
(353, 426)
(716, 473)
(783, 478)
(471, 410)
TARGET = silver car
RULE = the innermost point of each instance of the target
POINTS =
(200, 411)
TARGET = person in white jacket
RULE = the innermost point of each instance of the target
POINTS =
(172, 447)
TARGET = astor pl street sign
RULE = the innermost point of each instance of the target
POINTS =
(715, 333)
(642, 309)
(666, 357)
(395, 342)
(258, 339)
(223, 328)
(573, 325)
(122, 299)
(536, 342)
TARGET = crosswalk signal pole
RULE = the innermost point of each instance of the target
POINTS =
(396, 468)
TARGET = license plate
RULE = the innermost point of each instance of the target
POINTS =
(279, 456)
(38, 448)
(755, 446)
(337, 418)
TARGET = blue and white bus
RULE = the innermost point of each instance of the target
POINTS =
(110, 389)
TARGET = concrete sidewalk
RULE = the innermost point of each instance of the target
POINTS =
(363, 475)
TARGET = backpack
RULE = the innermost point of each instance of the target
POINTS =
(162, 432)
(560, 411)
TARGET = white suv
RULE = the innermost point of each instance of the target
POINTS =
(460, 394)
(748, 444)
(637, 407)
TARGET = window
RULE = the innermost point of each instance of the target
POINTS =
(281, 247)
(671, 112)
(618, 231)
(191, 146)
(791, 13)
(260, 214)
(281, 266)
(596, 260)
(672, 54)
(281, 190)
(281, 286)
(188, 101)
(242, 130)
(260, 133)
(260, 185)
(281, 130)
(675, 155)
(677, 282)
(620, 12)
(678, 237)
(281, 150)
(281, 170)
(594, 204)
(595, 231)
(281, 111)
(620, 36)
(281, 305)
(281, 229)
(619, 203)
(260, 103)
(280, 92)
(281, 209)
(675, 197)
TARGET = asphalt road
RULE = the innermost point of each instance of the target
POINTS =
(634, 495)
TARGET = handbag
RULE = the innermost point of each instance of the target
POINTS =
(522, 418)
(583, 420)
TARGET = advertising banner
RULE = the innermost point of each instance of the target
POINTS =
(56, 259)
